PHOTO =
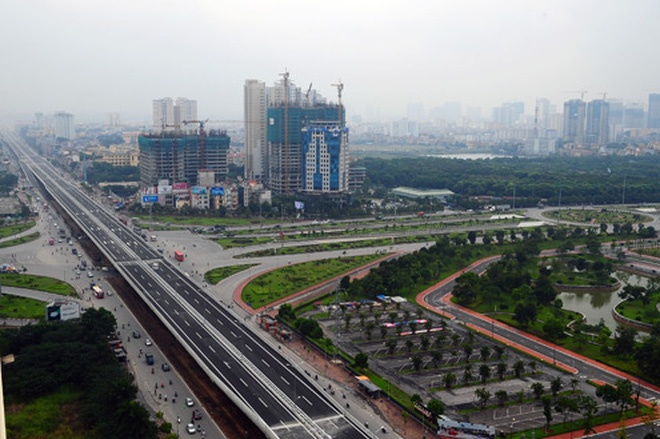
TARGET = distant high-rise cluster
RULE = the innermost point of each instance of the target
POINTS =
(294, 140)
(171, 113)
(586, 123)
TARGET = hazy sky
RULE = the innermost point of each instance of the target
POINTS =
(93, 57)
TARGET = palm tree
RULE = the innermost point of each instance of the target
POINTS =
(347, 320)
(485, 353)
(502, 397)
(468, 349)
(362, 319)
(484, 372)
(409, 345)
(467, 374)
(369, 329)
(383, 331)
(417, 362)
(393, 315)
(377, 317)
(391, 346)
(455, 338)
(483, 395)
(449, 379)
(501, 370)
(437, 357)
(413, 326)
(424, 342)
(499, 351)
(518, 368)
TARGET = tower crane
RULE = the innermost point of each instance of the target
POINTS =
(202, 140)
(582, 93)
(309, 91)
(340, 88)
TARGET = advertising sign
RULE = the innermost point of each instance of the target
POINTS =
(180, 186)
(150, 198)
(198, 190)
(215, 190)
(165, 189)
(61, 311)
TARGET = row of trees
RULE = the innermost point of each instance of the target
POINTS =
(587, 180)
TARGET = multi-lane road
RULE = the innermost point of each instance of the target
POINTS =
(281, 399)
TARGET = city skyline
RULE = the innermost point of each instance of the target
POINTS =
(93, 59)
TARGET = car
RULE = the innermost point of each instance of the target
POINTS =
(165, 367)
(136, 334)
(90, 274)
(190, 402)
(77, 272)
(190, 428)
(155, 265)
(147, 342)
(197, 414)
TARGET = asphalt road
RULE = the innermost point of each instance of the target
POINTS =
(279, 397)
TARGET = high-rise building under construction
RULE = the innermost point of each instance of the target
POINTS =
(179, 156)
(278, 121)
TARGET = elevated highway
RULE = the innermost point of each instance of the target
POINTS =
(279, 398)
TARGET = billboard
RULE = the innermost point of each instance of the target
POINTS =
(61, 311)
(215, 190)
(180, 186)
(165, 189)
(198, 190)
(299, 205)
(150, 198)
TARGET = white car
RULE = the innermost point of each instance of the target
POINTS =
(147, 342)
(190, 402)
(190, 428)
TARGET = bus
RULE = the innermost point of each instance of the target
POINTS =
(98, 292)
(178, 255)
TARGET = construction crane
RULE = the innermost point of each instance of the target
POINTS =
(582, 93)
(285, 164)
(164, 125)
(202, 141)
(309, 91)
(340, 88)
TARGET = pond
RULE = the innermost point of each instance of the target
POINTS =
(598, 304)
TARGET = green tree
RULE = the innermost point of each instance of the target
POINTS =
(484, 372)
(449, 379)
(538, 389)
(485, 353)
(417, 362)
(547, 409)
(436, 408)
(518, 368)
(501, 370)
(483, 395)
(555, 385)
(502, 397)
(361, 360)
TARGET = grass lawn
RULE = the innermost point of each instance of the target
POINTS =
(286, 281)
(217, 274)
(597, 217)
(15, 228)
(52, 416)
(228, 243)
(39, 283)
(203, 221)
(21, 240)
(21, 308)
(636, 310)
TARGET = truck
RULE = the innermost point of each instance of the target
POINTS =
(178, 255)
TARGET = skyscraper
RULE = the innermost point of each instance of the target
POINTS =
(597, 131)
(184, 109)
(325, 157)
(654, 111)
(254, 117)
(574, 115)
(64, 126)
(167, 112)
(633, 115)
(163, 112)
